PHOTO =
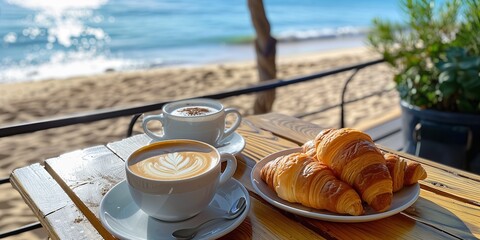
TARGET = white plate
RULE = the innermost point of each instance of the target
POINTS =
(122, 218)
(233, 144)
(401, 199)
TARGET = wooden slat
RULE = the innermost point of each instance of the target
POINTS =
(287, 127)
(266, 222)
(55, 210)
(425, 217)
(389, 127)
(86, 175)
(394, 141)
(394, 227)
(429, 209)
(127, 146)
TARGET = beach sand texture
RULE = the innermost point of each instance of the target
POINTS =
(23, 102)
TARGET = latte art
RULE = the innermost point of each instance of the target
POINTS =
(174, 166)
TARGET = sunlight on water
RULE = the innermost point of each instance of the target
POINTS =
(70, 44)
(79, 63)
(62, 21)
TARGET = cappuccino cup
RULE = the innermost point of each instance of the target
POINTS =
(196, 119)
(174, 180)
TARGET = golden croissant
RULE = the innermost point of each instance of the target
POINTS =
(301, 179)
(354, 158)
(403, 173)
(309, 148)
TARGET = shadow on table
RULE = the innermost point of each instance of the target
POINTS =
(431, 214)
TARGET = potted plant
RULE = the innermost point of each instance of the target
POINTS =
(436, 58)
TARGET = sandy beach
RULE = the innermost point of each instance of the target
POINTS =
(29, 101)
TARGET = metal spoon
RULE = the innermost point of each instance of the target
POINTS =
(237, 208)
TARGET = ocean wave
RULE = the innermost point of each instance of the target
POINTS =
(59, 67)
(305, 34)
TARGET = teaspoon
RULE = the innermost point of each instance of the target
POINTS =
(237, 208)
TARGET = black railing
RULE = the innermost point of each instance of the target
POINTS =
(136, 111)
(121, 112)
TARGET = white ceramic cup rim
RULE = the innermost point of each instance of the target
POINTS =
(196, 102)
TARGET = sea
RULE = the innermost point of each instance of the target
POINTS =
(45, 39)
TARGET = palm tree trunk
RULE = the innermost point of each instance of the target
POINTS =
(265, 48)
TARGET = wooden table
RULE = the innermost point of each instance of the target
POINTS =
(65, 193)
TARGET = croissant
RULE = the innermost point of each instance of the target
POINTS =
(309, 148)
(413, 173)
(403, 173)
(301, 179)
(396, 167)
(354, 158)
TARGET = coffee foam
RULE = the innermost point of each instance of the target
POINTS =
(175, 165)
(192, 111)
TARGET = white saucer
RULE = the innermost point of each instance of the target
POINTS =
(233, 144)
(401, 199)
(122, 218)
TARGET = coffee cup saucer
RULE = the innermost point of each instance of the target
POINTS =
(123, 219)
(233, 144)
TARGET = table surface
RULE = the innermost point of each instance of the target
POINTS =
(65, 192)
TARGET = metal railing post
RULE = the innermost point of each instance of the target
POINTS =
(342, 104)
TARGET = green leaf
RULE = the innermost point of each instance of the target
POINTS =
(447, 76)
(464, 105)
(468, 63)
(448, 88)
(446, 66)
(470, 80)
(455, 52)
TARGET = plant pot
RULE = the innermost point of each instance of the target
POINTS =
(446, 137)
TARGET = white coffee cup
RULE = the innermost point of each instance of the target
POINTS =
(197, 119)
(174, 180)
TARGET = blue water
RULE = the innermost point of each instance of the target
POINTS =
(46, 38)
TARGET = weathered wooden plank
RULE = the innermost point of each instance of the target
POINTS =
(447, 181)
(127, 146)
(444, 179)
(287, 127)
(386, 128)
(86, 175)
(430, 210)
(426, 217)
(266, 222)
(394, 227)
(394, 141)
(55, 210)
